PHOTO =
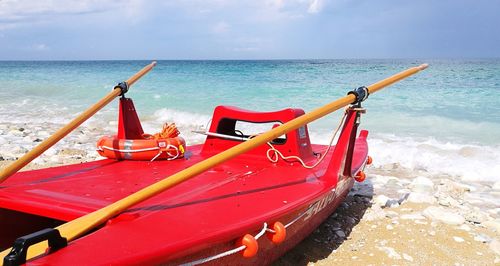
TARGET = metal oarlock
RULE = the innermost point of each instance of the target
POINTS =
(361, 94)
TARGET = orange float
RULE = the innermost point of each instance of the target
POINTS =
(360, 176)
(251, 246)
(279, 234)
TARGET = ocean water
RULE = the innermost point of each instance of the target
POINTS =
(444, 120)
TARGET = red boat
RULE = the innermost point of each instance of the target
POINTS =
(246, 210)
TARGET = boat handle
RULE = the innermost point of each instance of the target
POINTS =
(17, 254)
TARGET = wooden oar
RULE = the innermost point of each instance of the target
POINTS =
(73, 229)
(43, 146)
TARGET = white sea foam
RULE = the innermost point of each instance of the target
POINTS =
(468, 162)
(185, 121)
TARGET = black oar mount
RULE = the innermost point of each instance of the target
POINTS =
(123, 86)
(361, 94)
(17, 255)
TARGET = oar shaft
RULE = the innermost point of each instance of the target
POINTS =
(395, 78)
(61, 133)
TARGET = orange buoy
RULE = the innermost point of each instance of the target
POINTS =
(141, 149)
(369, 160)
(251, 246)
(279, 234)
(165, 144)
(360, 176)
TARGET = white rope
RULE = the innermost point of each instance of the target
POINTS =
(226, 253)
(296, 219)
(172, 157)
(218, 256)
(277, 154)
(169, 146)
(262, 232)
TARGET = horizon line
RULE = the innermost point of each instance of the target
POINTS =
(260, 59)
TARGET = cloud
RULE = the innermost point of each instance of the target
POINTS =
(246, 49)
(220, 27)
(278, 4)
(18, 12)
(315, 6)
(40, 47)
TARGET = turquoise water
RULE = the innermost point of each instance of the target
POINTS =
(446, 118)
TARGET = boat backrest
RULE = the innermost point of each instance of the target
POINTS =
(129, 125)
(239, 123)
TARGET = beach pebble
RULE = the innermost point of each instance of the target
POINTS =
(474, 216)
(419, 222)
(495, 246)
(416, 197)
(496, 186)
(19, 150)
(16, 133)
(407, 257)
(422, 185)
(442, 215)
(447, 201)
(390, 166)
(374, 213)
(340, 234)
(464, 227)
(350, 220)
(482, 238)
(493, 225)
(389, 227)
(495, 211)
(42, 134)
(458, 239)
(55, 159)
(391, 253)
(391, 214)
(412, 216)
(50, 152)
(381, 200)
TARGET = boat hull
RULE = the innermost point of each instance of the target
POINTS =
(202, 217)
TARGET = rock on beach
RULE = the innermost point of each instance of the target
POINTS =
(443, 215)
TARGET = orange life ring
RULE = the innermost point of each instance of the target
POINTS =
(141, 149)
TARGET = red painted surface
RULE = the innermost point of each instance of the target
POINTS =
(224, 119)
(201, 217)
(129, 125)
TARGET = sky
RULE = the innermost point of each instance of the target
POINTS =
(248, 29)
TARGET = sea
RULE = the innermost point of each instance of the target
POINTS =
(444, 120)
